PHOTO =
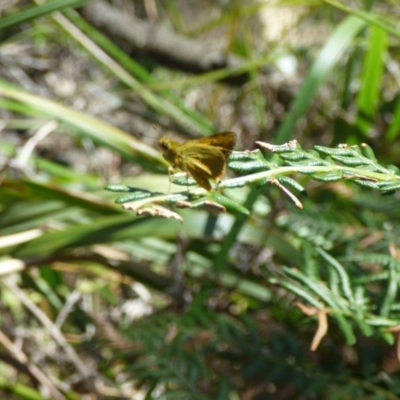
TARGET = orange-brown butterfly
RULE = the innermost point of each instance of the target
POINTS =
(203, 158)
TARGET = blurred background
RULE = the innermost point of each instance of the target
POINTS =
(99, 303)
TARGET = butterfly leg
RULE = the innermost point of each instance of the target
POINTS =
(216, 186)
(171, 172)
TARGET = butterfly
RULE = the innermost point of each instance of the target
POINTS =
(203, 159)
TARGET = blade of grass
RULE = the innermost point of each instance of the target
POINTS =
(394, 128)
(208, 77)
(179, 114)
(200, 123)
(373, 68)
(39, 10)
(85, 125)
(368, 17)
(20, 391)
(108, 229)
(25, 215)
(73, 198)
(340, 40)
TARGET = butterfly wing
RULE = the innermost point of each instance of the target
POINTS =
(204, 162)
(223, 141)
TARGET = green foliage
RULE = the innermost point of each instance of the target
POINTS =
(356, 163)
(100, 301)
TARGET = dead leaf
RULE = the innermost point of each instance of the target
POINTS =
(158, 211)
(183, 204)
(272, 147)
(322, 323)
(396, 331)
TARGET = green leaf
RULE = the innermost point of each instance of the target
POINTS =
(229, 203)
(246, 166)
(138, 195)
(328, 176)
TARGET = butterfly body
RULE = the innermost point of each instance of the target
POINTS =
(203, 158)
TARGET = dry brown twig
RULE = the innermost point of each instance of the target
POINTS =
(31, 367)
(55, 333)
(322, 322)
